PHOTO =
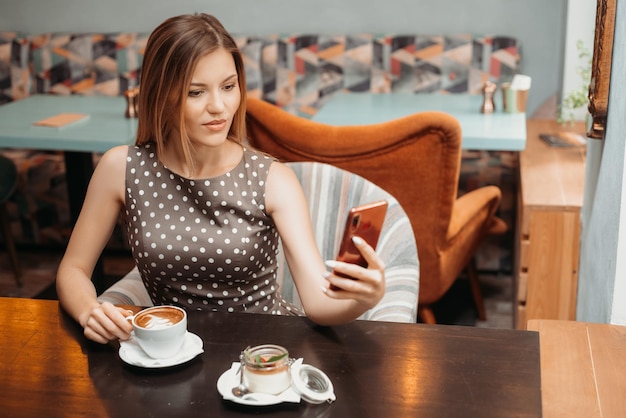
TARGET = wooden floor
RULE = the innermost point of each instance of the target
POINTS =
(455, 308)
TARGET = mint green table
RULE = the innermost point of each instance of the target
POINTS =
(105, 128)
(498, 131)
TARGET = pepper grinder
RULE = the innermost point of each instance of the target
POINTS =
(488, 90)
(131, 102)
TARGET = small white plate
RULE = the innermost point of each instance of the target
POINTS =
(131, 353)
(230, 378)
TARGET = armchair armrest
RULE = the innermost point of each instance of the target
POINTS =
(129, 290)
(472, 209)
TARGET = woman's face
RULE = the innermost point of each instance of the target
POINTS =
(212, 99)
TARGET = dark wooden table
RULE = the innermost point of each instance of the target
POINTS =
(378, 369)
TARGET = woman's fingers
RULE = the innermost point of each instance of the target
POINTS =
(351, 281)
(118, 316)
(107, 322)
(363, 285)
(373, 260)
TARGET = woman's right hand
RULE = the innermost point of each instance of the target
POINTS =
(106, 322)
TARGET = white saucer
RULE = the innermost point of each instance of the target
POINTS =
(131, 353)
(230, 378)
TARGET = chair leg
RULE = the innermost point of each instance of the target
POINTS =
(427, 315)
(475, 285)
(8, 241)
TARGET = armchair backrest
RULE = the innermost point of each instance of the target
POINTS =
(416, 159)
(330, 193)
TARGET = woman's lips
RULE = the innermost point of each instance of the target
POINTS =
(216, 125)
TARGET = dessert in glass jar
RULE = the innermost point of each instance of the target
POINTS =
(265, 369)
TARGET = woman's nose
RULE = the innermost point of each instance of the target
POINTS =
(215, 104)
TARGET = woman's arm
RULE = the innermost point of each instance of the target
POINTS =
(99, 214)
(286, 203)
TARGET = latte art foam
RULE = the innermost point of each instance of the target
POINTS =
(160, 330)
(156, 322)
(159, 317)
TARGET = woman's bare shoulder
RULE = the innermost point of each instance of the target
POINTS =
(115, 157)
(281, 182)
(281, 173)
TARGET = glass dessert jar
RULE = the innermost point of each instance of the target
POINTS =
(266, 369)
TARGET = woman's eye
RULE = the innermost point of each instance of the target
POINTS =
(229, 87)
(195, 93)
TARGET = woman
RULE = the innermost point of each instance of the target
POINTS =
(203, 212)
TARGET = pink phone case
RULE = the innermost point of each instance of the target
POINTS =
(364, 221)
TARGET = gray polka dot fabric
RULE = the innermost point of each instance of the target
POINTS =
(204, 244)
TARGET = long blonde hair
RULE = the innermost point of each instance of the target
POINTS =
(172, 52)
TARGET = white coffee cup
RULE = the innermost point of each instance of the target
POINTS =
(160, 330)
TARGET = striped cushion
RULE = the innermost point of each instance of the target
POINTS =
(331, 192)
(129, 290)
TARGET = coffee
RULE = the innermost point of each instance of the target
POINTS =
(159, 317)
(160, 330)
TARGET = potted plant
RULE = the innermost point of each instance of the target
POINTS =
(579, 97)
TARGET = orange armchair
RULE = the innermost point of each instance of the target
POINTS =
(417, 159)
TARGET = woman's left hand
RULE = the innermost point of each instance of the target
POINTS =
(365, 285)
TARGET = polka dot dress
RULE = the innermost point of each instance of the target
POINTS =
(203, 244)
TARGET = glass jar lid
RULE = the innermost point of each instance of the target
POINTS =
(311, 383)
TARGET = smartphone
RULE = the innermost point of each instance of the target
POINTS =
(563, 139)
(554, 140)
(365, 221)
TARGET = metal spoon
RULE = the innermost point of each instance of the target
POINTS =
(240, 390)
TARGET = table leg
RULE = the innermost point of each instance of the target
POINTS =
(78, 171)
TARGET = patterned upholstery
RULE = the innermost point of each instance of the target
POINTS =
(331, 192)
(106, 63)
(297, 72)
(301, 72)
(15, 80)
(86, 63)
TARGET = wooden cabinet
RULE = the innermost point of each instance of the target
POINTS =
(550, 195)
